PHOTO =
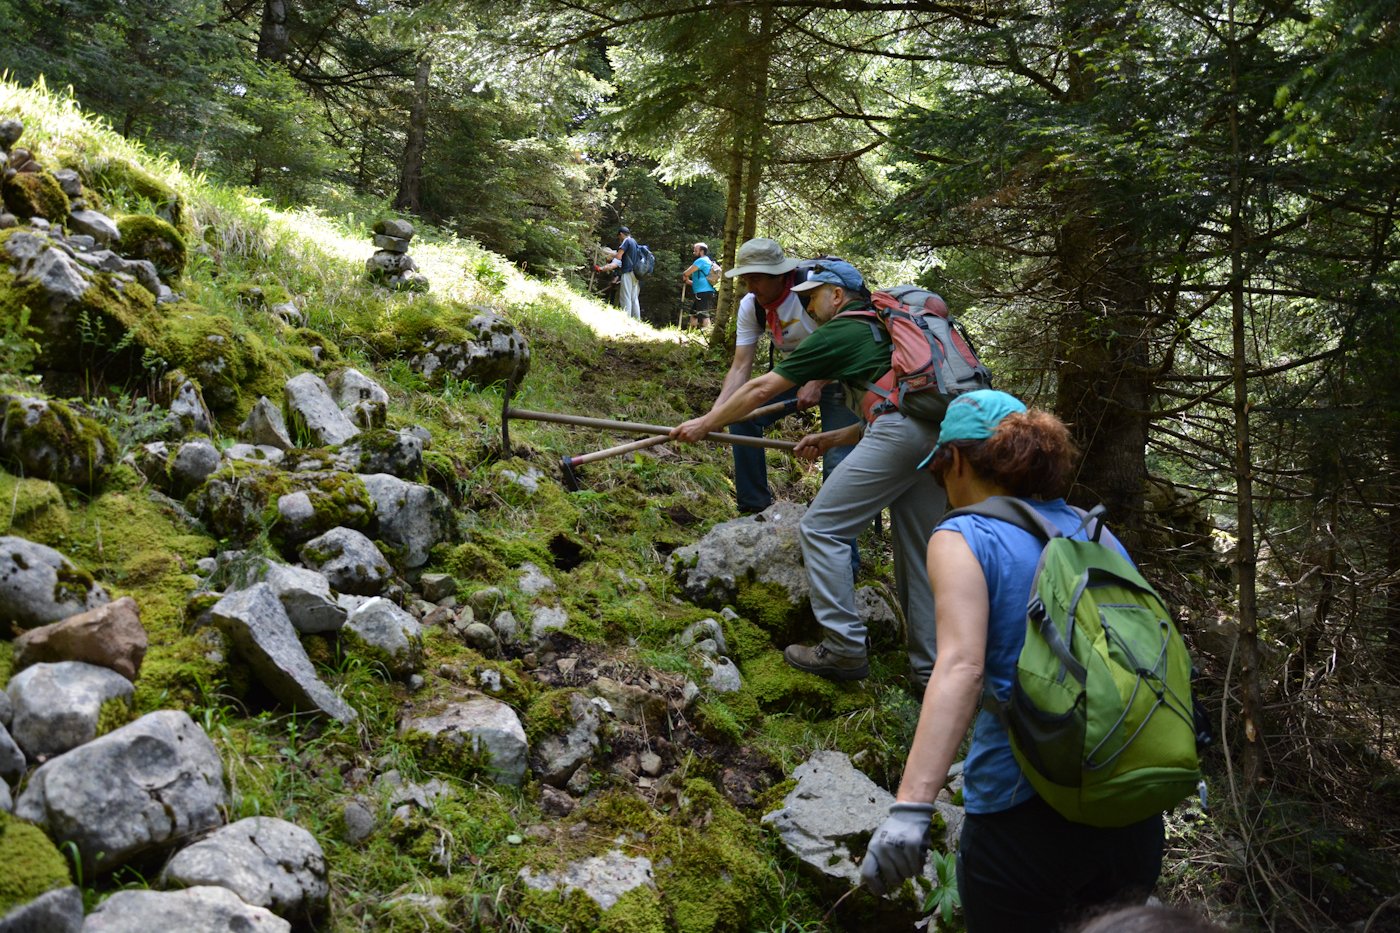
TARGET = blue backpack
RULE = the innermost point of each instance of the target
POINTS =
(644, 262)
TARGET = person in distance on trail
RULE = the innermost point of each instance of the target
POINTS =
(703, 294)
(772, 306)
(880, 471)
(625, 261)
(1020, 865)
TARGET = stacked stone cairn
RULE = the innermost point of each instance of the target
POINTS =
(391, 266)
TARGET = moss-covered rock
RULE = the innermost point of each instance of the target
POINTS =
(231, 363)
(240, 502)
(35, 194)
(150, 238)
(47, 440)
(125, 181)
(33, 866)
(35, 508)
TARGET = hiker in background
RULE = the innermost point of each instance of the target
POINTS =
(772, 306)
(625, 261)
(881, 471)
(702, 291)
(1021, 865)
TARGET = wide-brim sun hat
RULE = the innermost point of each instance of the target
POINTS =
(761, 255)
(974, 416)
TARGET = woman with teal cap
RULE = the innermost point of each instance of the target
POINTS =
(1021, 866)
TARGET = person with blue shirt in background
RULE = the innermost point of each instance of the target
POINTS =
(1020, 864)
(625, 261)
(703, 294)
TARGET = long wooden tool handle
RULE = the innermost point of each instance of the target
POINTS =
(635, 427)
(645, 442)
(627, 448)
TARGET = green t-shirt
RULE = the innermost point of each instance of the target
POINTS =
(843, 349)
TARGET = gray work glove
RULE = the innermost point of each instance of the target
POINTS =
(896, 851)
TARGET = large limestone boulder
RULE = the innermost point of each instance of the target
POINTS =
(235, 503)
(264, 637)
(364, 401)
(265, 426)
(480, 731)
(753, 562)
(602, 878)
(95, 224)
(349, 560)
(391, 635)
(306, 596)
(267, 862)
(493, 351)
(139, 789)
(46, 439)
(829, 817)
(411, 515)
(205, 909)
(58, 707)
(56, 911)
(313, 415)
(38, 585)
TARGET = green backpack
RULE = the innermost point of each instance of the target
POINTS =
(1100, 715)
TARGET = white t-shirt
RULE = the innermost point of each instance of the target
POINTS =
(753, 321)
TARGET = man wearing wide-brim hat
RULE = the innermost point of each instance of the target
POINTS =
(772, 307)
(882, 471)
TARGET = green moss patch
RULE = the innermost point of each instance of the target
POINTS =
(35, 194)
(127, 182)
(32, 865)
(60, 445)
(33, 508)
(152, 239)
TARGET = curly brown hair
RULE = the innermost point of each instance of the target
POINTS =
(1030, 455)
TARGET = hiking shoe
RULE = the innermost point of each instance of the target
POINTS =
(819, 660)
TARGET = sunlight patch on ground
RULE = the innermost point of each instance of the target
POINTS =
(462, 271)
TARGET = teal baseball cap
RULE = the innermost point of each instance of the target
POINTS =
(974, 416)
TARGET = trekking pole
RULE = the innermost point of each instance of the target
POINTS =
(680, 313)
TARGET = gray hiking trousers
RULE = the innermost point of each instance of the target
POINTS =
(882, 471)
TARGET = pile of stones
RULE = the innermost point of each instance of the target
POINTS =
(391, 266)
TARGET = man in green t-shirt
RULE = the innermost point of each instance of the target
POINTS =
(882, 471)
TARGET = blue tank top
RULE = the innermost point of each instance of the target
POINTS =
(699, 283)
(992, 780)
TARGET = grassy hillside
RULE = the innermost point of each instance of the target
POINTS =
(455, 865)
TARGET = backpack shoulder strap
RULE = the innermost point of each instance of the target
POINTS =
(1013, 511)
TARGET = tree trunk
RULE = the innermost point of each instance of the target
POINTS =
(410, 196)
(272, 37)
(758, 125)
(1104, 387)
(724, 311)
(1251, 691)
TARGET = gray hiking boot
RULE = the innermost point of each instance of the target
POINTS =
(819, 660)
